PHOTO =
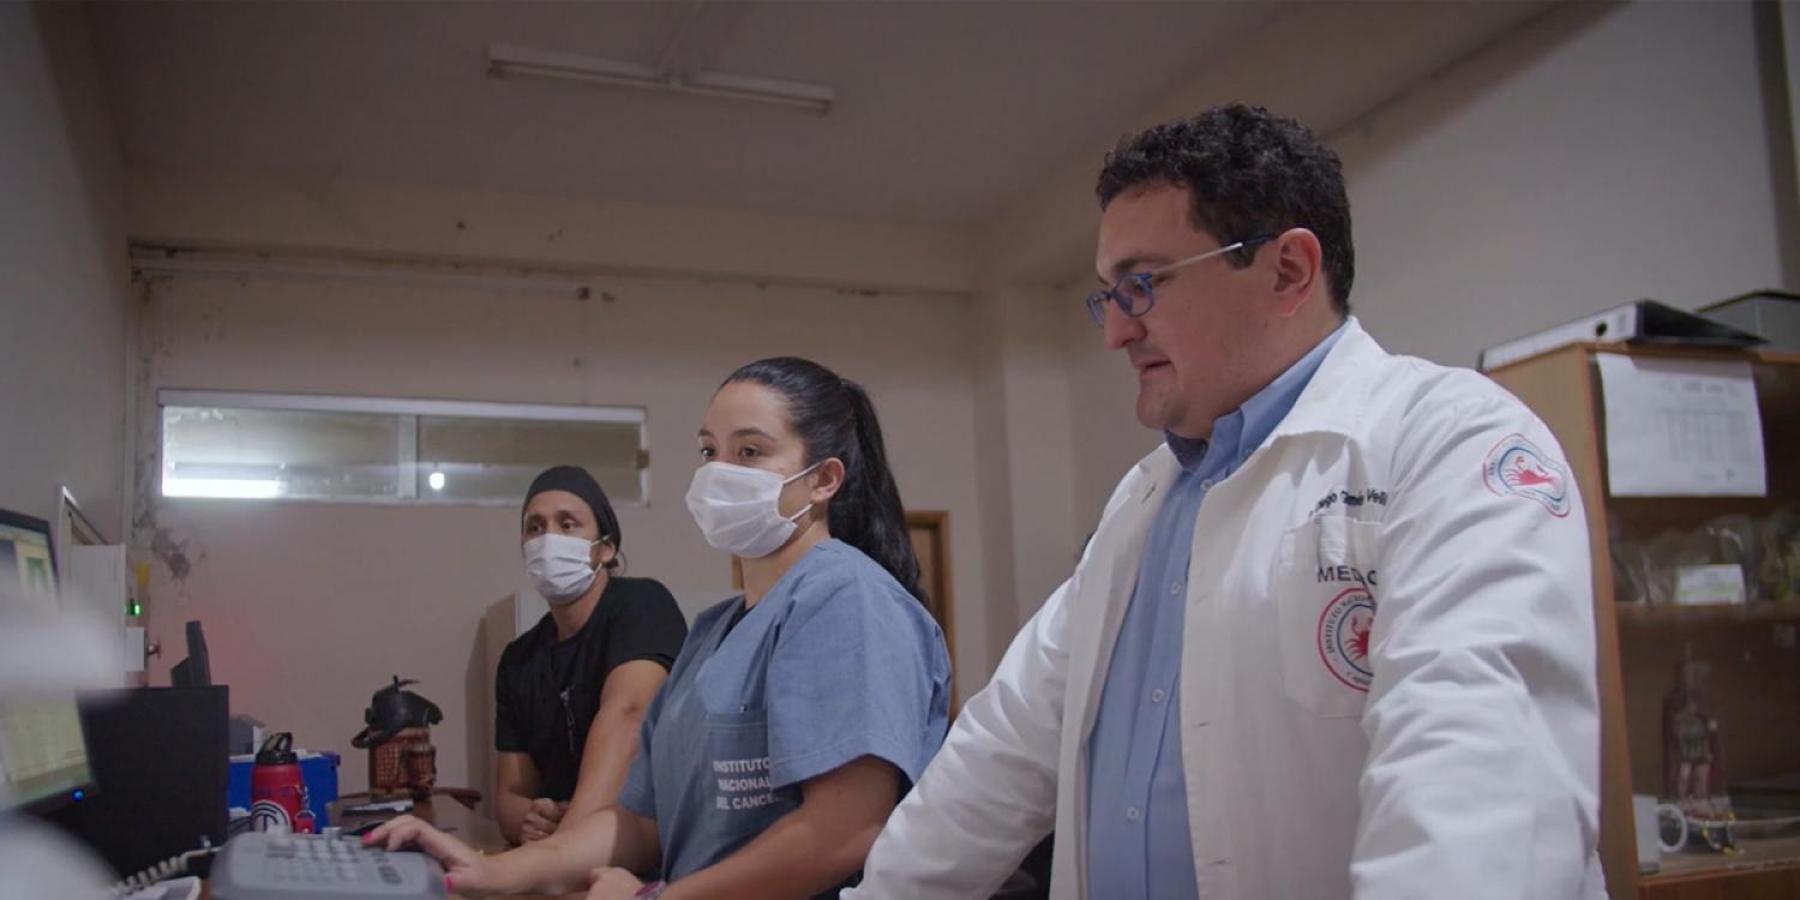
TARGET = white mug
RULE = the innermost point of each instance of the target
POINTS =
(1648, 817)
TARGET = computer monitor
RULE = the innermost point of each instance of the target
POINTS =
(43, 755)
(161, 765)
(27, 565)
(196, 670)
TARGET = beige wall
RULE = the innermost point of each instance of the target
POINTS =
(1596, 155)
(1595, 158)
(310, 606)
(64, 305)
(341, 218)
(1029, 400)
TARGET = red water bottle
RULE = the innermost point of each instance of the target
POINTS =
(277, 790)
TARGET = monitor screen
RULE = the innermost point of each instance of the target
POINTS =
(27, 567)
(43, 757)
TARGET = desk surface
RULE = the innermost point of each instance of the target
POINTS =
(453, 818)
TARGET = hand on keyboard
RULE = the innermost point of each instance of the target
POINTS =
(277, 866)
(463, 867)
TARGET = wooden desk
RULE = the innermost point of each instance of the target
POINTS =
(447, 815)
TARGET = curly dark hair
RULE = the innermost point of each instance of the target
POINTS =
(1250, 173)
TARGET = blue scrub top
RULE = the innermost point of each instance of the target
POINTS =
(835, 663)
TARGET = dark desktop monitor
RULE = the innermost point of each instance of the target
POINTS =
(196, 670)
(161, 766)
(138, 775)
(43, 754)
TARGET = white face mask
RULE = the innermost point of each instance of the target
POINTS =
(559, 564)
(738, 508)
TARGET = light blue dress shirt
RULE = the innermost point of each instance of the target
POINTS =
(1138, 838)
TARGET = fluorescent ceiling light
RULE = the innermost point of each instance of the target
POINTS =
(235, 488)
(505, 59)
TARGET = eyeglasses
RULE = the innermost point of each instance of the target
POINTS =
(1135, 293)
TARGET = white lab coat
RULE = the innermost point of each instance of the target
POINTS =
(1450, 750)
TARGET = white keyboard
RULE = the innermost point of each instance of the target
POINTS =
(266, 866)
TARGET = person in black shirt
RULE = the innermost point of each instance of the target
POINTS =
(570, 692)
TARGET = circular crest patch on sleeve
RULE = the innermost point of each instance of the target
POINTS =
(1517, 467)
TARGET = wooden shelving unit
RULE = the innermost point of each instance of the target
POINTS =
(1755, 682)
(1641, 614)
(1765, 869)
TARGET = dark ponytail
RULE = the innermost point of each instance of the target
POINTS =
(834, 418)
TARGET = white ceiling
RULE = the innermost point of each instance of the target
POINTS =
(945, 109)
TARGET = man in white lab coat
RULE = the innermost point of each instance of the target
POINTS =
(1333, 637)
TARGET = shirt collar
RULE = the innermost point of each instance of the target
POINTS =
(1189, 451)
(1238, 433)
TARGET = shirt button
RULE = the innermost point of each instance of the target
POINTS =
(1158, 695)
(1134, 814)
(1175, 589)
(1206, 485)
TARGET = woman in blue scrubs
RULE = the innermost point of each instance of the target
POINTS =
(798, 714)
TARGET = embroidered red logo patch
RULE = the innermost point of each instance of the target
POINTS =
(1343, 637)
(1516, 466)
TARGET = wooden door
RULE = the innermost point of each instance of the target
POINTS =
(930, 533)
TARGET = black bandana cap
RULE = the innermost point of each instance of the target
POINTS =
(577, 481)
